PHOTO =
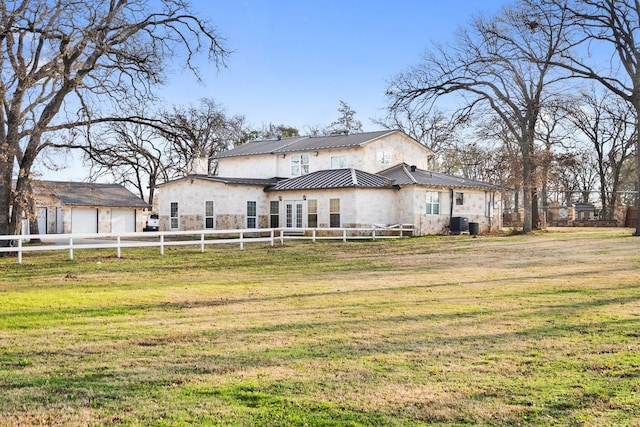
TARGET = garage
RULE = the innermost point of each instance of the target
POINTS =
(123, 220)
(84, 220)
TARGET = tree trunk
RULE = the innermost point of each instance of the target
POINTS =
(637, 105)
(535, 210)
(5, 200)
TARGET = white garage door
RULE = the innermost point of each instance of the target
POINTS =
(123, 220)
(84, 220)
(42, 220)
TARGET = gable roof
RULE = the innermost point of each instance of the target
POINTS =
(90, 194)
(403, 174)
(334, 178)
(304, 143)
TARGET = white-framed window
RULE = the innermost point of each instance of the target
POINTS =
(433, 203)
(384, 157)
(312, 213)
(299, 164)
(174, 219)
(209, 217)
(334, 213)
(459, 199)
(338, 162)
(252, 214)
(274, 214)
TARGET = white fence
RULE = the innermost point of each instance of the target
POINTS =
(202, 238)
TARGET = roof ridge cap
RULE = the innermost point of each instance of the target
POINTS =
(406, 170)
(354, 177)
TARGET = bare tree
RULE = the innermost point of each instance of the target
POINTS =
(501, 64)
(433, 129)
(67, 64)
(131, 154)
(553, 140)
(612, 26)
(608, 123)
(199, 132)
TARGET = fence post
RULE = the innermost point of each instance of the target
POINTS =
(313, 235)
(373, 233)
(344, 235)
(272, 235)
(162, 244)
(202, 243)
(71, 248)
(281, 237)
(19, 251)
(241, 241)
(119, 249)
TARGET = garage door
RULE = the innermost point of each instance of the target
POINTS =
(42, 220)
(84, 220)
(123, 220)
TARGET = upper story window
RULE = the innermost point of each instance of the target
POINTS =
(384, 157)
(338, 162)
(299, 164)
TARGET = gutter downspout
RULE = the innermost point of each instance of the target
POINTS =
(450, 207)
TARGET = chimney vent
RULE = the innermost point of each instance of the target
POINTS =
(413, 168)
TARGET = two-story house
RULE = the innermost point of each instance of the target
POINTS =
(358, 180)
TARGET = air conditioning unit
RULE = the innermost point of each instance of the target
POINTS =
(459, 225)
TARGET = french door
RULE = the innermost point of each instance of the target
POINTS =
(293, 214)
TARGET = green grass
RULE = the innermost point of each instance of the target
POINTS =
(518, 330)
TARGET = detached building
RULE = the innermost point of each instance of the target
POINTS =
(78, 207)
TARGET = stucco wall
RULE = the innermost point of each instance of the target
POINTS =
(475, 208)
(230, 204)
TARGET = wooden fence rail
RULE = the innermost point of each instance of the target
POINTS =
(201, 238)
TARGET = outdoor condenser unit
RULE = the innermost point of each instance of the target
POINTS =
(459, 224)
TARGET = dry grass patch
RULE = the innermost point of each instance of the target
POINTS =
(528, 330)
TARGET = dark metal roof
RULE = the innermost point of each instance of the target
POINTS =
(90, 194)
(303, 143)
(334, 178)
(238, 181)
(404, 174)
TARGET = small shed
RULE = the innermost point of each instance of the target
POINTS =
(584, 211)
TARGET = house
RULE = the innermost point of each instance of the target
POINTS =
(358, 180)
(78, 207)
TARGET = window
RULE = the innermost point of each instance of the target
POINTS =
(338, 162)
(299, 165)
(251, 214)
(312, 212)
(174, 222)
(459, 199)
(209, 219)
(384, 157)
(433, 203)
(334, 213)
(274, 214)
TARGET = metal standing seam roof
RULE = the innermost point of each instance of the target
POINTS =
(226, 180)
(90, 194)
(403, 174)
(334, 178)
(303, 143)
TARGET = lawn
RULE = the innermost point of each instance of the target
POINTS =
(503, 330)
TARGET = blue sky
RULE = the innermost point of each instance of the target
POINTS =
(293, 61)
